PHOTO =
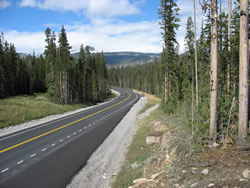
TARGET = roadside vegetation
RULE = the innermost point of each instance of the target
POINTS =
(171, 159)
(138, 150)
(20, 109)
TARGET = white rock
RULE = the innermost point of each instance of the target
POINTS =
(205, 171)
(154, 176)
(215, 145)
(211, 185)
(167, 157)
(194, 184)
(150, 140)
(246, 174)
(140, 180)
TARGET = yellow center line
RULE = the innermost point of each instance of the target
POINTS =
(54, 130)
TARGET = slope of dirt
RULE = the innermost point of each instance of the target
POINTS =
(177, 164)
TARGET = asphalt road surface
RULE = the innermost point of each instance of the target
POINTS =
(50, 154)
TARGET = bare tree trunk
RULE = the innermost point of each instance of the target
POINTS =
(65, 89)
(229, 45)
(192, 105)
(244, 65)
(213, 76)
(166, 88)
(61, 87)
(196, 62)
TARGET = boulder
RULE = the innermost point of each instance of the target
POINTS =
(150, 140)
(246, 173)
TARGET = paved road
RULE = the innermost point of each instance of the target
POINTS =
(48, 155)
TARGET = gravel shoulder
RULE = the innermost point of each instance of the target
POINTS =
(106, 161)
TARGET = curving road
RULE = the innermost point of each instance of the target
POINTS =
(48, 155)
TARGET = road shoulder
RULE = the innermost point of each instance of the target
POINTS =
(106, 161)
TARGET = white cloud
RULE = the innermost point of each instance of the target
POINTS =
(28, 3)
(26, 42)
(4, 4)
(90, 8)
(104, 36)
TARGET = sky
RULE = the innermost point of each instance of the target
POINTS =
(107, 25)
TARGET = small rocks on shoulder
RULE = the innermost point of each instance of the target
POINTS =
(246, 174)
(205, 171)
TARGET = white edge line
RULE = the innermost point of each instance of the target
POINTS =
(4, 170)
(20, 162)
(33, 155)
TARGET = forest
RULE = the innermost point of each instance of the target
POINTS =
(68, 80)
(205, 80)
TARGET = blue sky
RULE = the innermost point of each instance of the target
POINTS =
(108, 25)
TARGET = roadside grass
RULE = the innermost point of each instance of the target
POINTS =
(139, 152)
(151, 101)
(20, 109)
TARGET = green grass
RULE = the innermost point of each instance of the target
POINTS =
(138, 152)
(19, 109)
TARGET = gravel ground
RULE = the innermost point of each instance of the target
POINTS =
(106, 161)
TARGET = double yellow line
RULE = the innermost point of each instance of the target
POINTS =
(59, 128)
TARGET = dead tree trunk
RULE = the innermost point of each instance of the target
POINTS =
(166, 88)
(192, 105)
(244, 65)
(229, 45)
(196, 62)
(213, 76)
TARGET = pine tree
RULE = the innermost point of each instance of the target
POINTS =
(168, 13)
(2, 73)
(50, 63)
(63, 67)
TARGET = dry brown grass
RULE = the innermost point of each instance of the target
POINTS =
(151, 101)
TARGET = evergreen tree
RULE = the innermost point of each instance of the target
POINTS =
(168, 13)
(63, 67)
